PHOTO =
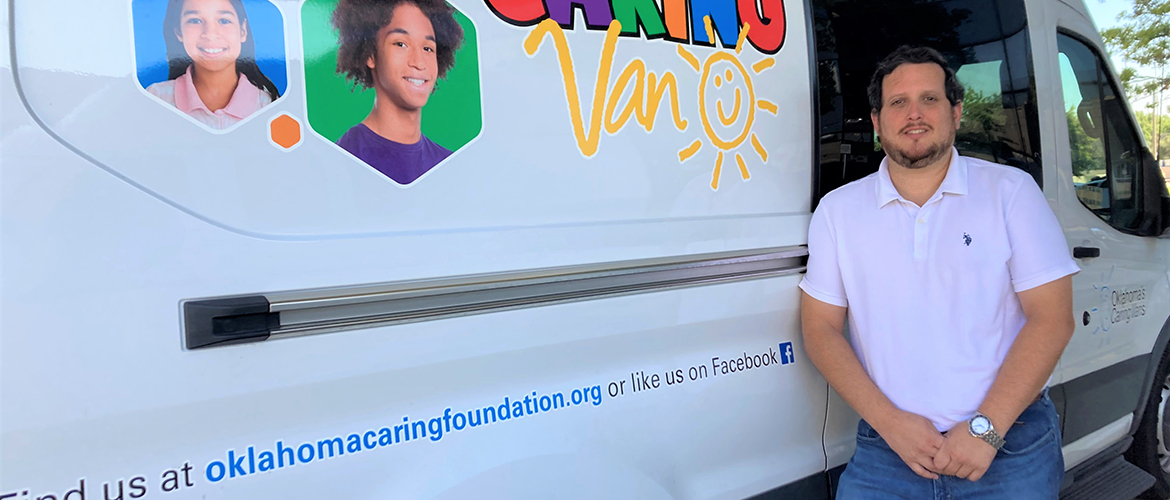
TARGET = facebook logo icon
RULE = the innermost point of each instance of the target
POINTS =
(787, 355)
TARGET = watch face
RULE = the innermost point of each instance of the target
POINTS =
(980, 425)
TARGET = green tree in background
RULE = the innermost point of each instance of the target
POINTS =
(1088, 154)
(1143, 39)
(1146, 121)
(983, 122)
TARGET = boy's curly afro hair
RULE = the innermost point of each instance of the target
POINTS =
(358, 21)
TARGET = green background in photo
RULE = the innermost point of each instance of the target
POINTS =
(452, 116)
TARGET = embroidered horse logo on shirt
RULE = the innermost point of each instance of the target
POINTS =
(966, 239)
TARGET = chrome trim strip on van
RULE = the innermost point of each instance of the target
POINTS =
(363, 307)
(284, 314)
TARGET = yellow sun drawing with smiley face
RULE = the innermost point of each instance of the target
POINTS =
(729, 136)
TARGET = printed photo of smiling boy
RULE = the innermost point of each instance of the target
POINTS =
(398, 48)
(211, 61)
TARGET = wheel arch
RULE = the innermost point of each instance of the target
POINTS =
(1156, 353)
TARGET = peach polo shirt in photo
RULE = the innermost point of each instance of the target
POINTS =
(181, 93)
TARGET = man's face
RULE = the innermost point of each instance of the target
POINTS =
(916, 124)
(404, 63)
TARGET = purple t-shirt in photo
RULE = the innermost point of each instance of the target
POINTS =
(402, 162)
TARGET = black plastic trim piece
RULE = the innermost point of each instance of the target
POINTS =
(228, 321)
(1056, 393)
(834, 475)
(1097, 399)
(815, 105)
(814, 487)
(1086, 252)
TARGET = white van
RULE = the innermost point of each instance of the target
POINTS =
(592, 295)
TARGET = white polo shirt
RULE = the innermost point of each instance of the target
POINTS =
(931, 291)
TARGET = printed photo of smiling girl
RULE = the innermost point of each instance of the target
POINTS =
(211, 58)
(399, 48)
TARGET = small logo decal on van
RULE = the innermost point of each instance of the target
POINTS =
(787, 355)
(966, 239)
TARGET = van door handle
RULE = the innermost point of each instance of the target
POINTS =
(1086, 252)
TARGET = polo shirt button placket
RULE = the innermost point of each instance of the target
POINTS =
(920, 234)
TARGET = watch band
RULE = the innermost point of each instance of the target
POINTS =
(992, 438)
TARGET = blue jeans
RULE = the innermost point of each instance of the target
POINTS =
(1029, 466)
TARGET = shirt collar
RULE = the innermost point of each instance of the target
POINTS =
(955, 181)
(245, 100)
(886, 192)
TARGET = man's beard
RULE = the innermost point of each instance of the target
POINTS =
(934, 153)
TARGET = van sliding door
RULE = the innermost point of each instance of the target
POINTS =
(582, 284)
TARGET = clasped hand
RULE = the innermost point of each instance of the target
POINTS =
(930, 453)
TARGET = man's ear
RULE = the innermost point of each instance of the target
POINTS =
(370, 62)
(957, 111)
(874, 116)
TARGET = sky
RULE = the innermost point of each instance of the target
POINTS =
(1105, 12)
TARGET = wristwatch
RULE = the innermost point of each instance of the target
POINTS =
(980, 427)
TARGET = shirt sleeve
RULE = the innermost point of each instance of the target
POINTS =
(822, 280)
(1040, 253)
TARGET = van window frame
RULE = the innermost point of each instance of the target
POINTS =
(1105, 74)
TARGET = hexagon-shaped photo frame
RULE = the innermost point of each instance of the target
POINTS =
(182, 47)
(337, 104)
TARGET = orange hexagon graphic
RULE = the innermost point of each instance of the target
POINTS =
(285, 131)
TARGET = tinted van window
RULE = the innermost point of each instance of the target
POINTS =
(1106, 151)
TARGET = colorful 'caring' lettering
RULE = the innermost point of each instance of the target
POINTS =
(680, 21)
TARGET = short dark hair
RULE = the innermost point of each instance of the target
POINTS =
(913, 55)
(358, 21)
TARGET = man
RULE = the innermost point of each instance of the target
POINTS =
(398, 48)
(956, 280)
